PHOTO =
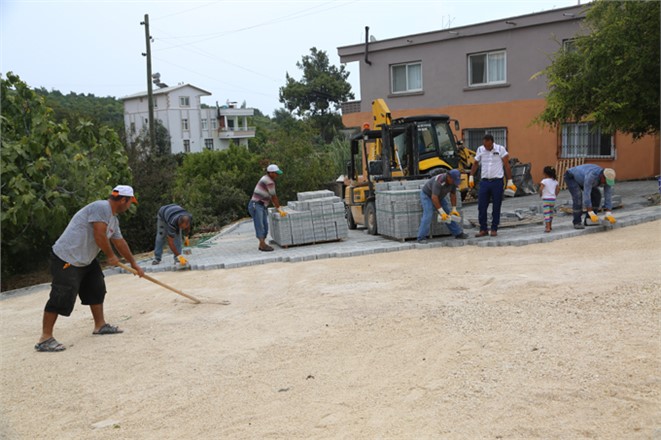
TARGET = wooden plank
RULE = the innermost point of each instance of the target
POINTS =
(563, 165)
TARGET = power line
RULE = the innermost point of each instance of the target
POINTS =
(238, 88)
(293, 16)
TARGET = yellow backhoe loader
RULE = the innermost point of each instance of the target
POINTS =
(412, 147)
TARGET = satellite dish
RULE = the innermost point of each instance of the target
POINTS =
(372, 39)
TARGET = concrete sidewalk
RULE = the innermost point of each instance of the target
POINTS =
(236, 245)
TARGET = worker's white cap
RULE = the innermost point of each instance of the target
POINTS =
(124, 191)
(273, 168)
(609, 174)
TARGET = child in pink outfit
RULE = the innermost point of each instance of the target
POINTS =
(548, 190)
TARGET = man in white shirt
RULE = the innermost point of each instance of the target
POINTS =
(494, 165)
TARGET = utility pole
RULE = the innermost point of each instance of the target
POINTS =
(150, 95)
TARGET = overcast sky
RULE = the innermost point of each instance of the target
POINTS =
(237, 50)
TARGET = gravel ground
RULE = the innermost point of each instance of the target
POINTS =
(551, 340)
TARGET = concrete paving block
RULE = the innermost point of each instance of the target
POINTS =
(307, 195)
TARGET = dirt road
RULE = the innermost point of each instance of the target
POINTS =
(557, 340)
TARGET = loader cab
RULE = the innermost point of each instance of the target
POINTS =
(434, 141)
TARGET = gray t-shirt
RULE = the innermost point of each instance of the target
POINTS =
(76, 245)
(437, 185)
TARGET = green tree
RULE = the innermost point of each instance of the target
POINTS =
(306, 167)
(106, 111)
(610, 75)
(215, 186)
(154, 181)
(319, 93)
(47, 177)
(154, 170)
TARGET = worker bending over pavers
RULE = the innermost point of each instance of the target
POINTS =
(434, 197)
(172, 221)
(583, 182)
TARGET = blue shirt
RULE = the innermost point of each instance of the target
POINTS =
(588, 176)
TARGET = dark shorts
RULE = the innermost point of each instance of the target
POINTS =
(87, 282)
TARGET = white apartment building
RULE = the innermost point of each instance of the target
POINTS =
(191, 127)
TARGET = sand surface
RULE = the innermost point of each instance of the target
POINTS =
(556, 340)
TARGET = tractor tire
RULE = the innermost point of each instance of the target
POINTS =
(370, 218)
(350, 221)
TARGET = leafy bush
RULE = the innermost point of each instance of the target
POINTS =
(47, 177)
(215, 186)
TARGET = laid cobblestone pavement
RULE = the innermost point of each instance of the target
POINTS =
(236, 245)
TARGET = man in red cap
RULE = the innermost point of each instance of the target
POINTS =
(74, 267)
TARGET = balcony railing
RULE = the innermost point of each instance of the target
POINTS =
(236, 132)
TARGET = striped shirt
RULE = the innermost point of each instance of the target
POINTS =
(170, 215)
(491, 162)
(264, 190)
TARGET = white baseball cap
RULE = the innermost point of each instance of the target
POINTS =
(273, 168)
(124, 191)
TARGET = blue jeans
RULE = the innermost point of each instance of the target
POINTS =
(428, 211)
(161, 239)
(577, 198)
(260, 219)
(491, 191)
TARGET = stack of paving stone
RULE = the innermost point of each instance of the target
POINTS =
(398, 210)
(316, 216)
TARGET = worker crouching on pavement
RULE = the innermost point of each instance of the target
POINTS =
(583, 182)
(264, 194)
(433, 197)
(74, 267)
(172, 221)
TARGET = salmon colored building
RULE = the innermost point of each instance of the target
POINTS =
(482, 75)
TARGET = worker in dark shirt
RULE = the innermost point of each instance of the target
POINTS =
(172, 221)
(434, 197)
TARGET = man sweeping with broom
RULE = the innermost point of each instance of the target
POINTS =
(74, 267)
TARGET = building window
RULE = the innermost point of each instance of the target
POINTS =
(569, 45)
(208, 144)
(155, 102)
(186, 146)
(184, 101)
(184, 124)
(132, 127)
(214, 123)
(204, 124)
(487, 68)
(406, 78)
(474, 137)
(586, 140)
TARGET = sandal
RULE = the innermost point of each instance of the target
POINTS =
(266, 248)
(49, 345)
(108, 329)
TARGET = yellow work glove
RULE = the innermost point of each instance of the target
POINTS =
(609, 217)
(593, 216)
(511, 185)
(282, 212)
(471, 181)
(454, 215)
(443, 217)
(182, 260)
